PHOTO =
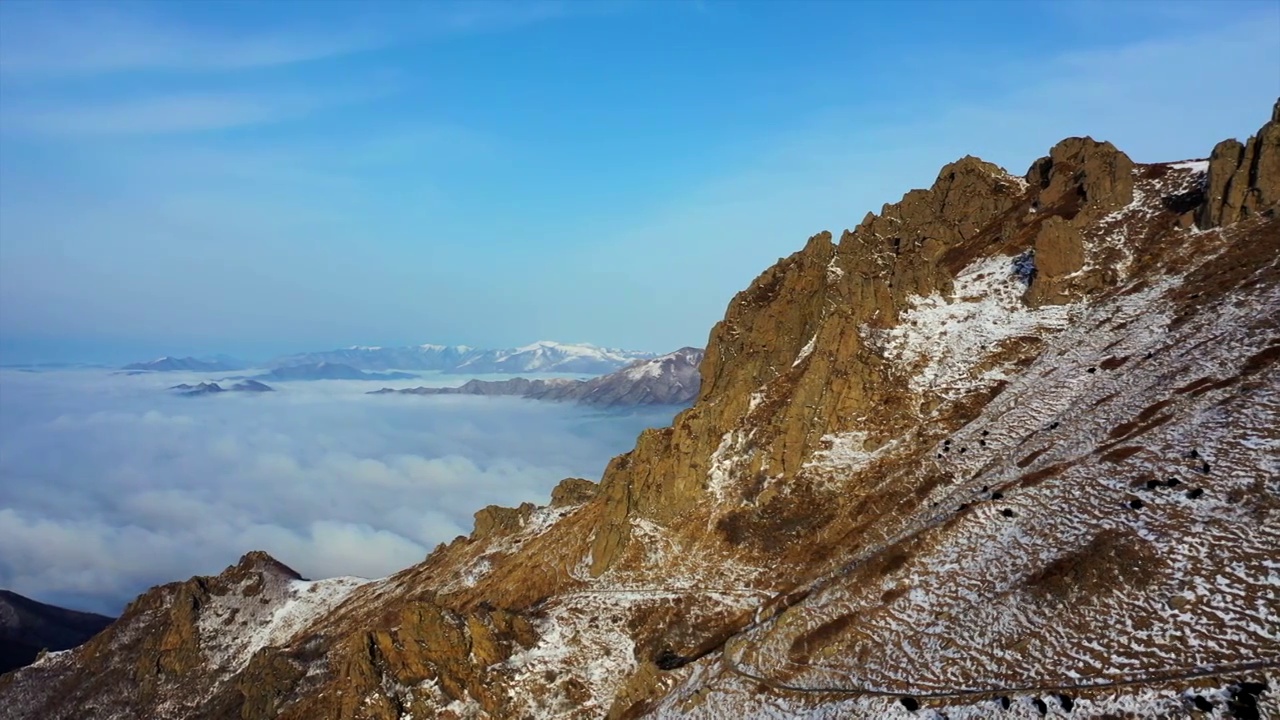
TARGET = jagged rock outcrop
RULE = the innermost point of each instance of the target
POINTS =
(916, 467)
(1058, 253)
(1243, 179)
(1093, 176)
(573, 491)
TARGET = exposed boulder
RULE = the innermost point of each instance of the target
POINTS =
(498, 521)
(573, 491)
(1059, 253)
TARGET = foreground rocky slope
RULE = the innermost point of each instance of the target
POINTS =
(670, 379)
(1009, 448)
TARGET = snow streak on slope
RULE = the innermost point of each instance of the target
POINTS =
(268, 615)
(939, 340)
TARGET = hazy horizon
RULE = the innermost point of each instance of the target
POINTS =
(253, 179)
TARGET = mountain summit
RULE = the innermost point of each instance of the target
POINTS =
(1008, 448)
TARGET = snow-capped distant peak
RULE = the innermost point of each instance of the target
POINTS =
(366, 348)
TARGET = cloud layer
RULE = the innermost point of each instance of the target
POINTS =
(109, 485)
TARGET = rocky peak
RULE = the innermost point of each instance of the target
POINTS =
(1091, 177)
(1243, 179)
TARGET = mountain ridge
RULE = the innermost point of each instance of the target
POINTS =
(542, 356)
(29, 627)
(670, 379)
(931, 466)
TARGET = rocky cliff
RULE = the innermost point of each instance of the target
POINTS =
(1009, 447)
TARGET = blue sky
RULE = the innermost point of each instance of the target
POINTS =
(255, 178)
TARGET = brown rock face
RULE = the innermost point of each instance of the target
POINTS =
(573, 491)
(497, 521)
(1094, 175)
(1244, 180)
(1059, 253)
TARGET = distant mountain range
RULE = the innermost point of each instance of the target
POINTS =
(671, 379)
(329, 371)
(27, 627)
(540, 357)
(209, 388)
(184, 364)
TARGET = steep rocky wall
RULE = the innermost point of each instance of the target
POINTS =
(788, 360)
(1244, 179)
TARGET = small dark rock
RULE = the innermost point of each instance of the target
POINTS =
(1040, 706)
(1205, 468)
(997, 495)
(1194, 493)
(1092, 370)
(1066, 702)
(1172, 482)
(668, 660)
(1136, 504)
(1153, 484)
(1252, 688)
(1006, 512)
(1004, 702)
(910, 703)
(1202, 704)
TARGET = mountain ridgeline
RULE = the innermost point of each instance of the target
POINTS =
(28, 628)
(1008, 447)
(541, 357)
(670, 379)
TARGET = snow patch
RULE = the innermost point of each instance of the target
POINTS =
(289, 609)
(941, 340)
(805, 351)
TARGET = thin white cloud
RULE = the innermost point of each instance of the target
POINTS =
(170, 114)
(42, 41)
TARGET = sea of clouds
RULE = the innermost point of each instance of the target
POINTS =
(110, 484)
